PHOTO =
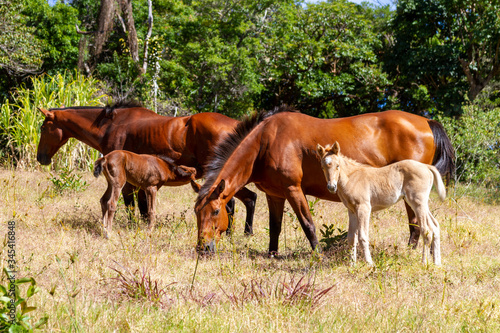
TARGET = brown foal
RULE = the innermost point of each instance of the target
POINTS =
(146, 172)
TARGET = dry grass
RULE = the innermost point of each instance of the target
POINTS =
(137, 282)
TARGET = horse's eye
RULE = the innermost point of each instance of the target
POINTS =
(338, 167)
(216, 212)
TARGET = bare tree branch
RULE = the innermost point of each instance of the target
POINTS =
(146, 40)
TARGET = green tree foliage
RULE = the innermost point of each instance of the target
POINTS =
(55, 26)
(322, 59)
(20, 50)
(211, 52)
(444, 50)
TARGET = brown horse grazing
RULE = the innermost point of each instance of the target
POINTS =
(186, 140)
(277, 152)
(364, 189)
(146, 172)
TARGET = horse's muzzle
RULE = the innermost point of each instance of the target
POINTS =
(332, 187)
(43, 159)
(208, 247)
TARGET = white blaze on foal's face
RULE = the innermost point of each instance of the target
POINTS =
(330, 166)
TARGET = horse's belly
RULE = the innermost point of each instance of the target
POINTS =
(385, 202)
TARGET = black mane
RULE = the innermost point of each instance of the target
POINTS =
(108, 108)
(120, 104)
(225, 148)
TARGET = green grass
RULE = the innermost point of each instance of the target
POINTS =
(165, 286)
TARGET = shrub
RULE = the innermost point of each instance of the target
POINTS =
(476, 139)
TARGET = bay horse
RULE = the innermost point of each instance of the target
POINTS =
(364, 189)
(186, 140)
(147, 172)
(276, 150)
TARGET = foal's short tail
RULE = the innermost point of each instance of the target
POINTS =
(98, 166)
(438, 182)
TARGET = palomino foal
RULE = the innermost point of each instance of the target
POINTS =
(146, 172)
(364, 189)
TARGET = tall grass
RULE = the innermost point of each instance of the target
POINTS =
(139, 281)
(20, 120)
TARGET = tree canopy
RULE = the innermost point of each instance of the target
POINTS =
(331, 58)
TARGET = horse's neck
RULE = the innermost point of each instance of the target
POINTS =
(348, 168)
(238, 169)
(81, 127)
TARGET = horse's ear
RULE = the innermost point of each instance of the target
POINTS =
(220, 188)
(336, 148)
(320, 150)
(48, 114)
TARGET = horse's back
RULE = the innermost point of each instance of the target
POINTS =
(376, 139)
(289, 141)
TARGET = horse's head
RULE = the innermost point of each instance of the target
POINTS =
(51, 138)
(330, 163)
(212, 218)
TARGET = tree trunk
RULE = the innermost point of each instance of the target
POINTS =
(126, 6)
(106, 16)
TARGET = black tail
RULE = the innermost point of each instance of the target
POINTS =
(444, 157)
(98, 166)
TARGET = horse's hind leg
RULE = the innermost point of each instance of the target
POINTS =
(421, 211)
(436, 239)
(248, 198)
(298, 201)
(414, 228)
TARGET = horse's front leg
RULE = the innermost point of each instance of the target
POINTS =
(104, 208)
(249, 199)
(298, 201)
(151, 202)
(128, 200)
(363, 217)
(352, 235)
(276, 206)
(230, 216)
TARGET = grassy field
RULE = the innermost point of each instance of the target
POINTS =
(141, 282)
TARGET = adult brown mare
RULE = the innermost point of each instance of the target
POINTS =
(364, 189)
(147, 172)
(186, 140)
(277, 152)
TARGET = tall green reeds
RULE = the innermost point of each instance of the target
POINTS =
(20, 120)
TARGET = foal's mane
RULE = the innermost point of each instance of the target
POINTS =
(347, 160)
(225, 148)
